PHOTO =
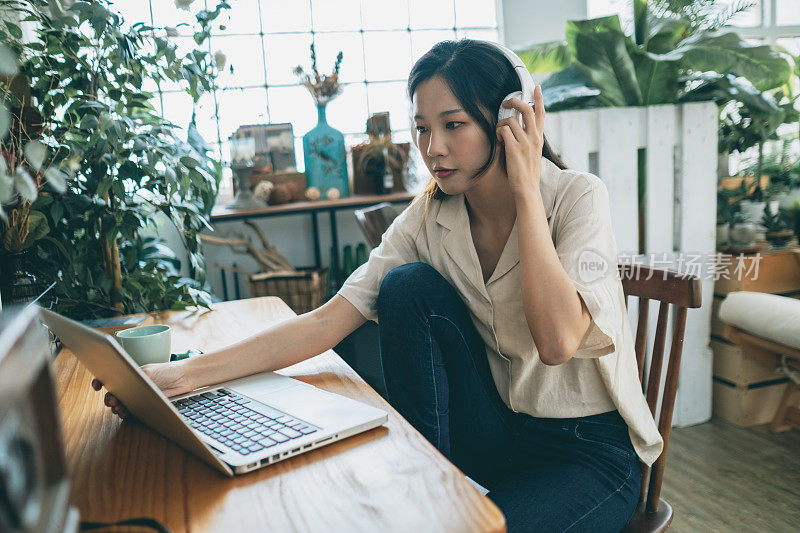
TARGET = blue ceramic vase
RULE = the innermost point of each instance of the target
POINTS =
(325, 156)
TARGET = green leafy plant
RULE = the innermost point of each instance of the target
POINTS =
(125, 165)
(754, 121)
(728, 205)
(23, 169)
(794, 217)
(778, 226)
(702, 15)
(782, 169)
(661, 62)
(774, 222)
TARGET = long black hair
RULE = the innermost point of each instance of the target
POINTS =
(480, 76)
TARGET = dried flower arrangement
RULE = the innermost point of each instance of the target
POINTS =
(322, 88)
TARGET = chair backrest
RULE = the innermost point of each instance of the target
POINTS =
(670, 288)
(374, 221)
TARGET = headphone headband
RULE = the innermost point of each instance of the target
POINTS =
(525, 77)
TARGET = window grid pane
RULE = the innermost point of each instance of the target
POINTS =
(787, 13)
(379, 42)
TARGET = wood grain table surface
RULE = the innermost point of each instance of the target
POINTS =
(387, 479)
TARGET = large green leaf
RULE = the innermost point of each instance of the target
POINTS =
(664, 34)
(640, 22)
(605, 54)
(570, 88)
(595, 25)
(724, 88)
(37, 228)
(657, 78)
(727, 53)
(546, 57)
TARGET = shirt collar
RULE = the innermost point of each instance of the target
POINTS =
(457, 242)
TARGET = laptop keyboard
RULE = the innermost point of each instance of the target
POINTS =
(226, 417)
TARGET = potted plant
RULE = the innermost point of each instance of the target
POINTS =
(794, 217)
(671, 56)
(778, 231)
(727, 207)
(23, 171)
(742, 234)
(126, 168)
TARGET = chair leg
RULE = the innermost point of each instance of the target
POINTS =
(782, 421)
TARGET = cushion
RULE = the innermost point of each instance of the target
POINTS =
(770, 316)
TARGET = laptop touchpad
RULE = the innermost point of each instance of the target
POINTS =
(260, 385)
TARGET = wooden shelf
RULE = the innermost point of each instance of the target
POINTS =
(221, 213)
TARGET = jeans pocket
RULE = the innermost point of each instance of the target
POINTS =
(615, 439)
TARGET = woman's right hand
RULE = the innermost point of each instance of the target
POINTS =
(169, 377)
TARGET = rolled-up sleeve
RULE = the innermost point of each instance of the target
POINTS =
(586, 247)
(397, 247)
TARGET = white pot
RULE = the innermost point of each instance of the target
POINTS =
(722, 235)
(755, 210)
(742, 235)
(787, 199)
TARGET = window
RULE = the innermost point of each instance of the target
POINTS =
(787, 12)
(624, 8)
(264, 40)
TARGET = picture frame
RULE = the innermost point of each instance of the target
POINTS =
(274, 145)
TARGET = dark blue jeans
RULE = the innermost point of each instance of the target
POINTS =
(545, 474)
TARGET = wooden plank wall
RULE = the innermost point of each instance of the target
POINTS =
(679, 206)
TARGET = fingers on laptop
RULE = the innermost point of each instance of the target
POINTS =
(96, 385)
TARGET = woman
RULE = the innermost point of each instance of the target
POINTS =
(498, 343)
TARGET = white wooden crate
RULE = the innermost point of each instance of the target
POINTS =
(680, 206)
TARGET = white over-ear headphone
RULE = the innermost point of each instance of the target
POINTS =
(528, 85)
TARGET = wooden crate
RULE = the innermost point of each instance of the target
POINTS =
(749, 405)
(778, 272)
(732, 364)
(717, 325)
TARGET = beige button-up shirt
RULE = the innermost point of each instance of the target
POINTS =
(603, 375)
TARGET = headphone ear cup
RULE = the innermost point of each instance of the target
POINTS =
(506, 112)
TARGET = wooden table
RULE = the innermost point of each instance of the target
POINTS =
(387, 479)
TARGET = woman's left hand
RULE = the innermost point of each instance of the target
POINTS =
(523, 147)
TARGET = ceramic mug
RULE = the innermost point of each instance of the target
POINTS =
(147, 344)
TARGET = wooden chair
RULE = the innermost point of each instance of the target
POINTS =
(374, 221)
(682, 292)
(639, 281)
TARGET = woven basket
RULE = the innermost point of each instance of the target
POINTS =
(302, 292)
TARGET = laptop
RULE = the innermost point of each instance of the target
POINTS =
(236, 426)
